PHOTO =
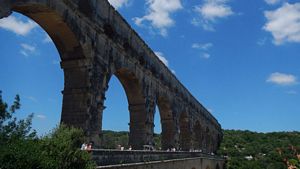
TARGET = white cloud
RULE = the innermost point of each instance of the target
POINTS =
(27, 49)
(205, 56)
(262, 42)
(204, 46)
(24, 53)
(284, 23)
(292, 92)
(162, 58)
(210, 11)
(41, 116)
(159, 14)
(31, 98)
(118, 3)
(47, 39)
(214, 9)
(55, 62)
(272, 2)
(17, 26)
(282, 79)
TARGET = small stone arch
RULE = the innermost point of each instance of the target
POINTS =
(137, 107)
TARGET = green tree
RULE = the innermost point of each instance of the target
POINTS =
(60, 150)
(21, 149)
(10, 128)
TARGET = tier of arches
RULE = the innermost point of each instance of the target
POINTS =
(89, 59)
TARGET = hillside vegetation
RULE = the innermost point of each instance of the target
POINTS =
(60, 148)
(251, 150)
(243, 149)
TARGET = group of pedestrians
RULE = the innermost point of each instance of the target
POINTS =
(87, 146)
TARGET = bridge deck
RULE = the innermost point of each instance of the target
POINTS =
(104, 157)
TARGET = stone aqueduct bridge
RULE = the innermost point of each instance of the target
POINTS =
(94, 43)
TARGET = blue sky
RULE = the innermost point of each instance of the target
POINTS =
(239, 58)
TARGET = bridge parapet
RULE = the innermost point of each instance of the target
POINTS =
(116, 157)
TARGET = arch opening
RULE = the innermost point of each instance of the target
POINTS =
(138, 129)
(55, 25)
(168, 126)
(198, 136)
(157, 130)
(184, 134)
(36, 74)
(115, 117)
(71, 53)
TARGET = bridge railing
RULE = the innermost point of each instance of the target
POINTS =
(105, 157)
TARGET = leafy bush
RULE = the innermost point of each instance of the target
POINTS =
(21, 149)
(61, 150)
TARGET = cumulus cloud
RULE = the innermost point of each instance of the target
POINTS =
(261, 42)
(210, 11)
(47, 39)
(27, 49)
(284, 23)
(159, 14)
(41, 116)
(31, 98)
(164, 60)
(291, 92)
(118, 3)
(205, 56)
(55, 62)
(17, 26)
(282, 79)
(272, 2)
(204, 46)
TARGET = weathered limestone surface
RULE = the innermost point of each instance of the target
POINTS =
(117, 157)
(185, 163)
(94, 43)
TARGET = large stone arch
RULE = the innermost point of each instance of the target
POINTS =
(82, 103)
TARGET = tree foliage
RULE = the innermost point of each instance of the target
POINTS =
(10, 128)
(21, 148)
(276, 150)
(111, 139)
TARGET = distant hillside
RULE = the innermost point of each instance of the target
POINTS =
(243, 149)
(110, 139)
(251, 150)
